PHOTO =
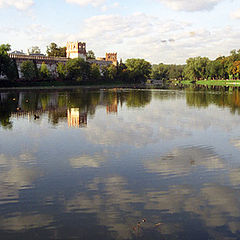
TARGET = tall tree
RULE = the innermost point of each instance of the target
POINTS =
(34, 50)
(95, 72)
(28, 70)
(54, 51)
(44, 72)
(8, 66)
(61, 71)
(4, 58)
(91, 55)
(159, 72)
(78, 69)
(139, 69)
(196, 68)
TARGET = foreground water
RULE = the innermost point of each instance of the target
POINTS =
(120, 164)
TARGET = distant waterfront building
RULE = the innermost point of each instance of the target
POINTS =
(51, 62)
(110, 58)
(37, 54)
(16, 52)
(73, 50)
(76, 50)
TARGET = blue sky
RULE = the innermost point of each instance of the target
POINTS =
(168, 31)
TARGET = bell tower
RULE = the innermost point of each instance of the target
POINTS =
(112, 57)
(76, 50)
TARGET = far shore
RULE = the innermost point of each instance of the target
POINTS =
(66, 85)
(232, 83)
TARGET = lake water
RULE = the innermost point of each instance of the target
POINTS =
(120, 164)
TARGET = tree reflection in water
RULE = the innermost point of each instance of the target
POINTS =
(57, 103)
(144, 165)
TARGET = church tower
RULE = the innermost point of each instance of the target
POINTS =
(76, 50)
(112, 57)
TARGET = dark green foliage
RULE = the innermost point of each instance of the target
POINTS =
(221, 68)
(167, 71)
(139, 69)
(196, 68)
(61, 71)
(8, 66)
(28, 70)
(78, 70)
(95, 74)
(44, 72)
(110, 73)
(54, 51)
(159, 72)
(91, 55)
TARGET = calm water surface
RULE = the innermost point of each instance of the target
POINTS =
(120, 164)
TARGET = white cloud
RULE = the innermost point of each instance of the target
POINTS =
(20, 222)
(94, 3)
(190, 5)
(136, 35)
(19, 4)
(183, 160)
(155, 39)
(108, 7)
(129, 35)
(87, 161)
(236, 143)
(236, 14)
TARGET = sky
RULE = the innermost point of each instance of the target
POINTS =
(160, 31)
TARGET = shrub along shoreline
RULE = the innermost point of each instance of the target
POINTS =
(78, 72)
(212, 82)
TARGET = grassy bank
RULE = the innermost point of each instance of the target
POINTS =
(214, 82)
(186, 82)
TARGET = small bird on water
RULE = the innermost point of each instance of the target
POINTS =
(36, 117)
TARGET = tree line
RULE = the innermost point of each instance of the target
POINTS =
(224, 67)
(131, 71)
(55, 104)
(200, 68)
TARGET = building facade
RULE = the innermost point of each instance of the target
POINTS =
(73, 50)
(51, 62)
(76, 50)
(110, 58)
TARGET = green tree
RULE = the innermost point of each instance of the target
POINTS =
(34, 50)
(138, 98)
(112, 72)
(44, 72)
(175, 71)
(61, 71)
(223, 66)
(28, 70)
(214, 69)
(54, 51)
(139, 69)
(90, 55)
(8, 66)
(95, 72)
(78, 69)
(196, 68)
(159, 72)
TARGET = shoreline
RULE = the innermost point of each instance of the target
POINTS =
(97, 86)
(225, 83)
